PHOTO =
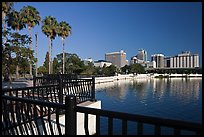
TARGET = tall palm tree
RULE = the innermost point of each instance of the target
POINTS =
(6, 9)
(64, 30)
(49, 28)
(14, 21)
(31, 17)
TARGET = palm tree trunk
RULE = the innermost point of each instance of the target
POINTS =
(36, 72)
(49, 54)
(63, 64)
(17, 67)
(51, 68)
(29, 29)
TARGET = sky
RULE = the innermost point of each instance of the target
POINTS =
(102, 27)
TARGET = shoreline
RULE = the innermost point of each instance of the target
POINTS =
(98, 80)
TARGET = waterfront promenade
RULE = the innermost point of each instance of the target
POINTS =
(28, 83)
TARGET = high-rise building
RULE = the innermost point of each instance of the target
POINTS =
(184, 60)
(117, 58)
(142, 55)
(159, 59)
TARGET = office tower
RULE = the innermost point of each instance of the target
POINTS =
(117, 58)
(159, 59)
(184, 60)
(142, 55)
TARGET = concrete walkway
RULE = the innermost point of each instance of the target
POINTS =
(18, 84)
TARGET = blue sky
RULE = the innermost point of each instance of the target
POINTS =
(101, 27)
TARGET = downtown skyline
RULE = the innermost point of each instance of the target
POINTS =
(102, 27)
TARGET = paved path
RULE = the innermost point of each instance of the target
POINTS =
(18, 84)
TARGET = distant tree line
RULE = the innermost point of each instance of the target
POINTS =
(74, 65)
(197, 70)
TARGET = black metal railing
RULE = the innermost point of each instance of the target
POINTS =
(140, 120)
(56, 89)
(29, 116)
(52, 79)
(23, 116)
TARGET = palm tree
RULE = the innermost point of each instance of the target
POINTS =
(64, 30)
(49, 28)
(14, 21)
(31, 17)
(6, 8)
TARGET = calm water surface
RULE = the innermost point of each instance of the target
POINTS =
(176, 98)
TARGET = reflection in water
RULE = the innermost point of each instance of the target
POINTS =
(175, 98)
(117, 89)
(187, 89)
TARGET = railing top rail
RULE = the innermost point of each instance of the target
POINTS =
(25, 88)
(144, 119)
(36, 102)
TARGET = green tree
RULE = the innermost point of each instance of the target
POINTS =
(14, 21)
(137, 68)
(6, 9)
(49, 28)
(16, 46)
(42, 70)
(31, 17)
(89, 69)
(125, 69)
(64, 30)
(56, 69)
(46, 63)
(110, 70)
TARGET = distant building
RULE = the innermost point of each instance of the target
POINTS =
(87, 61)
(134, 60)
(159, 59)
(117, 58)
(184, 60)
(167, 62)
(101, 63)
(142, 55)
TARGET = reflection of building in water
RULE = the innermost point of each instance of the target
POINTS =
(140, 88)
(185, 88)
(117, 89)
(159, 86)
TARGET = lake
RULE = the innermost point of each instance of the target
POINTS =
(175, 98)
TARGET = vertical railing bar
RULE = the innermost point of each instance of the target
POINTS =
(38, 92)
(25, 117)
(86, 123)
(93, 89)
(157, 130)
(70, 115)
(32, 92)
(24, 126)
(22, 93)
(49, 121)
(97, 124)
(110, 126)
(177, 131)
(13, 118)
(36, 119)
(124, 127)
(42, 120)
(57, 121)
(8, 118)
(139, 128)
(29, 118)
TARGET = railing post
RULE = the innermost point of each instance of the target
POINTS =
(70, 115)
(93, 89)
(34, 81)
(60, 94)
